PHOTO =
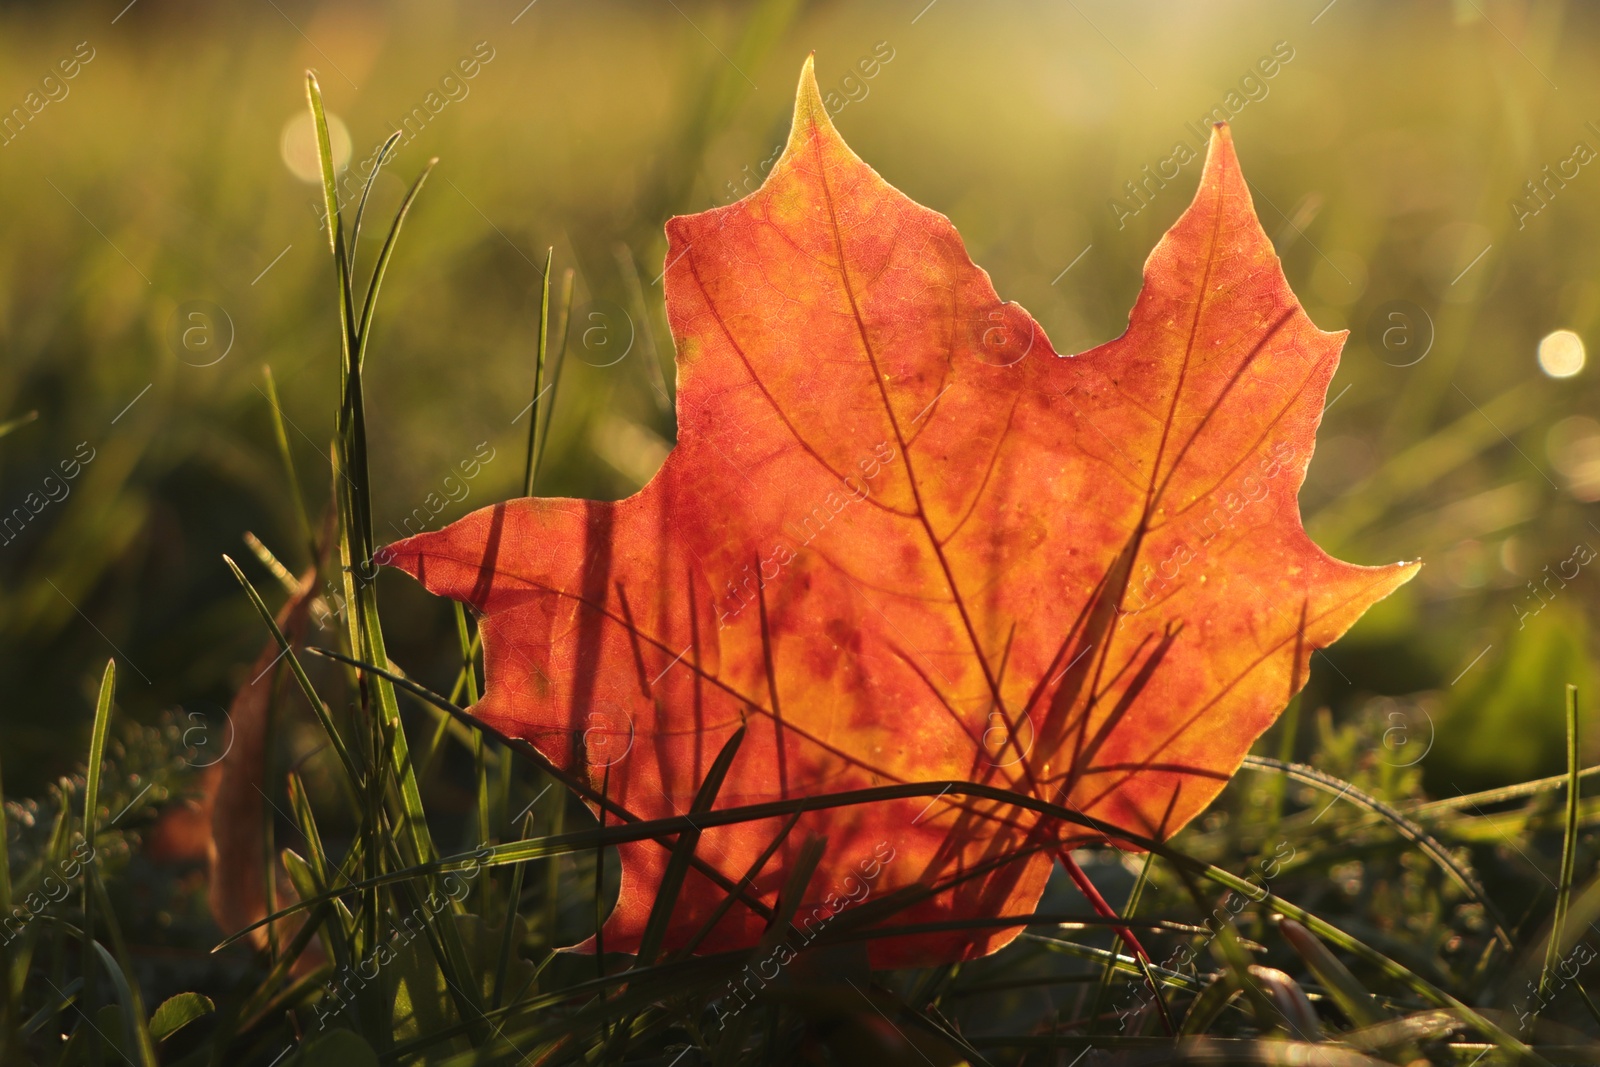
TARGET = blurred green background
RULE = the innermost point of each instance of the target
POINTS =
(158, 182)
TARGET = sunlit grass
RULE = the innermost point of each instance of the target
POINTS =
(1384, 154)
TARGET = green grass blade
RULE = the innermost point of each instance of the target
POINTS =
(335, 220)
(1488, 797)
(480, 766)
(97, 751)
(370, 303)
(366, 191)
(568, 278)
(286, 457)
(1569, 847)
(306, 820)
(391, 758)
(1430, 846)
(1117, 942)
(1358, 1005)
(552, 902)
(508, 930)
(530, 469)
(120, 968)
(313, 874)
(91, 816)
(659, 384)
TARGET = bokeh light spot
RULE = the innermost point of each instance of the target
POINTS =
(1561, 354)
(298, 146)
(1573, 445)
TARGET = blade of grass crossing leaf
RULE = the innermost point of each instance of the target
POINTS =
(469, 651)
(447, 725)
(729, 899)
(529, 469)
(1390, 968)
(664, 831)
(794, 891)
(1569, 847)
(467, 675)
(655, 930)
(480, 765)
(799, 877)
(317, 706)
(597, 797)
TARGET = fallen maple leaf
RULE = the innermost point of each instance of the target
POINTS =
(905, 540)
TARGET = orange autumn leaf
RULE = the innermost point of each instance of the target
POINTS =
(905, 540)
